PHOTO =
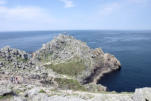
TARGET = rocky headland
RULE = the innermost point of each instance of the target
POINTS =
(63, 69)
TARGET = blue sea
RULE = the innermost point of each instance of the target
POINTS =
(132, 48)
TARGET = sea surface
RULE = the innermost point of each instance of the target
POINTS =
(132, 48)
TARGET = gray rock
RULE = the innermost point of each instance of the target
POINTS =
(65, 48)
(87, 65)
(4, 90)
(32, 92)
(143, 94)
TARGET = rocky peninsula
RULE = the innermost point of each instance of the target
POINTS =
(64, 69)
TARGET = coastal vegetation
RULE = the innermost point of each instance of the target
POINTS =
(71, 68)
(69, 84)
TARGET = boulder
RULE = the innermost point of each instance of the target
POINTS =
(143, 94)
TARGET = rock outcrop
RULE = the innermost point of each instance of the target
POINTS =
(14, 59)
(38, 93)
(63, 69)
(93, 63)
(63, 57)
(142, 94)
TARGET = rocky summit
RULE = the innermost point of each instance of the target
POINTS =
(76, 59)
(64, 69)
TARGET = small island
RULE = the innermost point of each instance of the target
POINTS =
(63, 69)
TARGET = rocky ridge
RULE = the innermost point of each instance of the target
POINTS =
(66, 49)
(39, 93)
(63, 64)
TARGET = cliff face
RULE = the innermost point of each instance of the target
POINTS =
(61, 70)
(63, 59)
(63, 50)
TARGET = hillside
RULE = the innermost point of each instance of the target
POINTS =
(63, 68)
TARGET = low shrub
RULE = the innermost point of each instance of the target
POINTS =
(69, 84)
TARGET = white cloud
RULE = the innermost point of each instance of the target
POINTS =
(111, 8)
(24, 13)
(108, 9)
(24, 18)
(138, 1)
(2, 2)
(68, 3)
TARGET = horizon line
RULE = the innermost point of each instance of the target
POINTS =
(78, 30)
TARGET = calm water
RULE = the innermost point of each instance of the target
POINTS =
(132, 48)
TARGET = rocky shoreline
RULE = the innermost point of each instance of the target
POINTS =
(63, 64)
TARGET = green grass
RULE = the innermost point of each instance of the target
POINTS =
(23, 60)
(42, 91)
(69, 84)
(3, 98)
(45, 57)
(71, 68)
(2, 59)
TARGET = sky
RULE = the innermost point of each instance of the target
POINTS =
(18, 15)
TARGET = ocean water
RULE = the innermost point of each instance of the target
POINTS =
(132, 48)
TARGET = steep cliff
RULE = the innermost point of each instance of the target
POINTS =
(69, 56)
(63, 69)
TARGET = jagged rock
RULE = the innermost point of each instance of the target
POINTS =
(35, 76)
(95, 87)
(4, 90)
(33, 91)
(142, 94)
(36, 93)
(66, 56)
(64, 49)
(15, 61)
(26, 77)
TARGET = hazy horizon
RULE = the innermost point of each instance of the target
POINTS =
(64, 30)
